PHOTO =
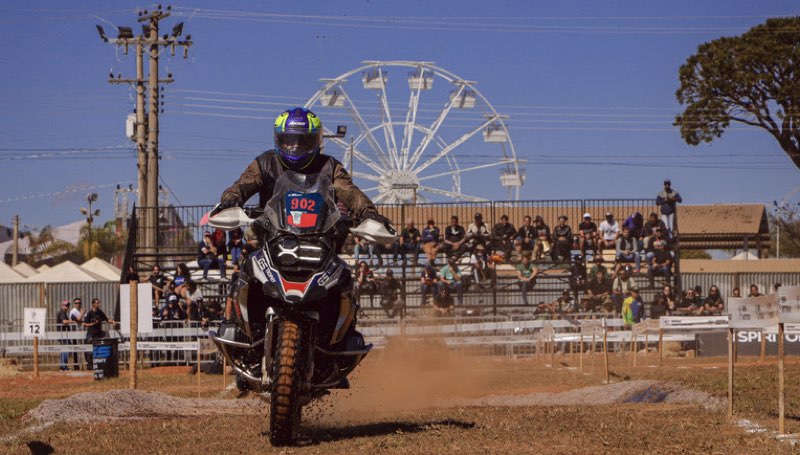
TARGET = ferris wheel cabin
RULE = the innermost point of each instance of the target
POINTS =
(332, 98)
(420, 79)
(462, 99)
(374, 79)
(495, 133)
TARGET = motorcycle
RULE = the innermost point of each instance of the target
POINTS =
(293, 336)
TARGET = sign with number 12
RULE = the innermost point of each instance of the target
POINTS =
(34, 322)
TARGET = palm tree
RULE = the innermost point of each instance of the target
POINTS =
(43, 244)
(103, 242)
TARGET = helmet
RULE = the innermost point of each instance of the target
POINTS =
(298, 137)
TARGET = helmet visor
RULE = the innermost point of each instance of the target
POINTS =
(297, 144)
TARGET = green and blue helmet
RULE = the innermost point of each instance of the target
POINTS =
(298, 137)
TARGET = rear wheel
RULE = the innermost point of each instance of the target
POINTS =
(284, 414)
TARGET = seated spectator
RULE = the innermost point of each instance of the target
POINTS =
(562, 236)
(543, 245)
(365, 283)
(159, 284)
(391, 301)
(598, 294)
(698, 292)
(210, 312)
(430, 241)
(408, 242)
(632, 307)
(635, 224)
(235, 244)
(713, 304)
(609, 231)
(566, 303)
(455, 238)
(450, 278)
(503, 236)
(478, 233)
(526, 235)
(577, 273)
(736, 293)
(620, 290)
(690, 305)
(754, 291)
(669, 298)
(180, 281)
(659, 259)
(546, 308)
(526, 276)
(481, 267)
(362, 248)
(517, 253)
(627, 250)
(443, 302)
(429, 281)
(654, 226)
(587, 234)
(208, 255)
(131, 275)
(194, 301)
(599, 267)
(173, 311)
(659, 307)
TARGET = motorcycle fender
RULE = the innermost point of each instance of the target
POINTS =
(347, 311)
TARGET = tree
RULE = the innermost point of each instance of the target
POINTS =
(753, 79)
(695, 254)
(44, 245)
(102, 242)
(789, 225)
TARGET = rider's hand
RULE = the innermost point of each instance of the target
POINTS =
(222, 206)
(387, 223)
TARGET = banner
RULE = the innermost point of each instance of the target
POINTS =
(789, 304)
(753, 312)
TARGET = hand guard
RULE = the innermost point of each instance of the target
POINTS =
(222, 206)
(387, 223)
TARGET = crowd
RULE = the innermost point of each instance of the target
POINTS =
(78, 318)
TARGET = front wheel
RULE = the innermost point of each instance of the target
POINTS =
(287, 368)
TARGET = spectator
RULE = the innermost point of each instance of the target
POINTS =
(609, 231)
(180, 281)
(430, 241)
(210, 312)
(635, 224)
(669, 298)
(632, 307)
(77, 315)
(503, 236)
(621, 288)
(598, 294)
(690, 305)
(477, 233)
(450, 278)
(737, 293)
(361, 247)
(577, 273)
(566, 303)
(526, 235)
(667, 200)
(754, 291)
(652, 228)
(698, 292)
(365, 283)
(599, 267)
(480, 265)
(443, 302)
(235, 244)
(455, 238)
(775, 288)
(233, 292)
(93, 322)
(562, 235)
(659, 260)
(408, 242)
(389, 288)
(587, 233)
(429, 281)
(659, 307)
(131, 275)
(158, 282)
(65, 325)
(208, 254)
(627, 250)
(713, 304)
(173, 311)
(194, 301)
(526, 274)
(543, 244)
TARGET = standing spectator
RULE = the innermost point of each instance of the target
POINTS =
(562, 235)
(131, 274)
(543, 244)
(65, 327)
(408, 242)
(690, 305)
(736, 293)
(158, 282)
(93, 322)
(713, 304)
(76, 315)
(598, 294)
(480, 265)
(526, 235)
(659, 307)
(587, 232)
(652, 228)
(455, 238)
(667, 200)
(208, 255)
(627, 250)
(503, 236)
(526, 274)
(609, 231)
(450, 278)
(632, 307)
(361, 247)
(477, 233)
(754, 291)
(430, 241)
(391, 301)
(365, 283)
(235, 244)
(621, 289)
(429, 282)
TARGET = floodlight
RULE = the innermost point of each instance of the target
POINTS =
(84, 211)
(177, 30)
(124, 32)
(102, 33)
(341, 130)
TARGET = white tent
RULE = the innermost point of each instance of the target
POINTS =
(745, 256)
(102, 268)
(9, 275)
(24, 269)
(66, 272)
(43, 268)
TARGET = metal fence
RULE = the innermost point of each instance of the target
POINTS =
(14, 297)
(726, 282)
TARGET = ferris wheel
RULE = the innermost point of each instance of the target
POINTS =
(424, 152)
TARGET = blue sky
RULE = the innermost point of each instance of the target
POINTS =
(589, 87)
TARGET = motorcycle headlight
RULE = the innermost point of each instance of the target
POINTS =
(287, 249)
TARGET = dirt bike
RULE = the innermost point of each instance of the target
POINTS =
(293, 337)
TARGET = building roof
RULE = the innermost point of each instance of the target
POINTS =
(9, 275)
(69, 233)
(719, 219)
(730, 266)
(25, 269)
(66, 272)
(102, 268)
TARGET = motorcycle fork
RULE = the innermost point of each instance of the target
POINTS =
(308, 323)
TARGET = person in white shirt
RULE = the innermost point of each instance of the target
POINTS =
(609, 231)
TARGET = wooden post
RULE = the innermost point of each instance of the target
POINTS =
(224, 372)
(594, 347)
(660, 347)
(646, 342)
(730, 373)
(735, 348)
(781, 389)
(763, 355)
(198, 368)
(134, 334)
(580, 352)
(36, 357)
(634, 346)
(605, 349)
(552, 350)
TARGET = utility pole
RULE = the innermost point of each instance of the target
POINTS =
(147, 129)
(15, 251)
